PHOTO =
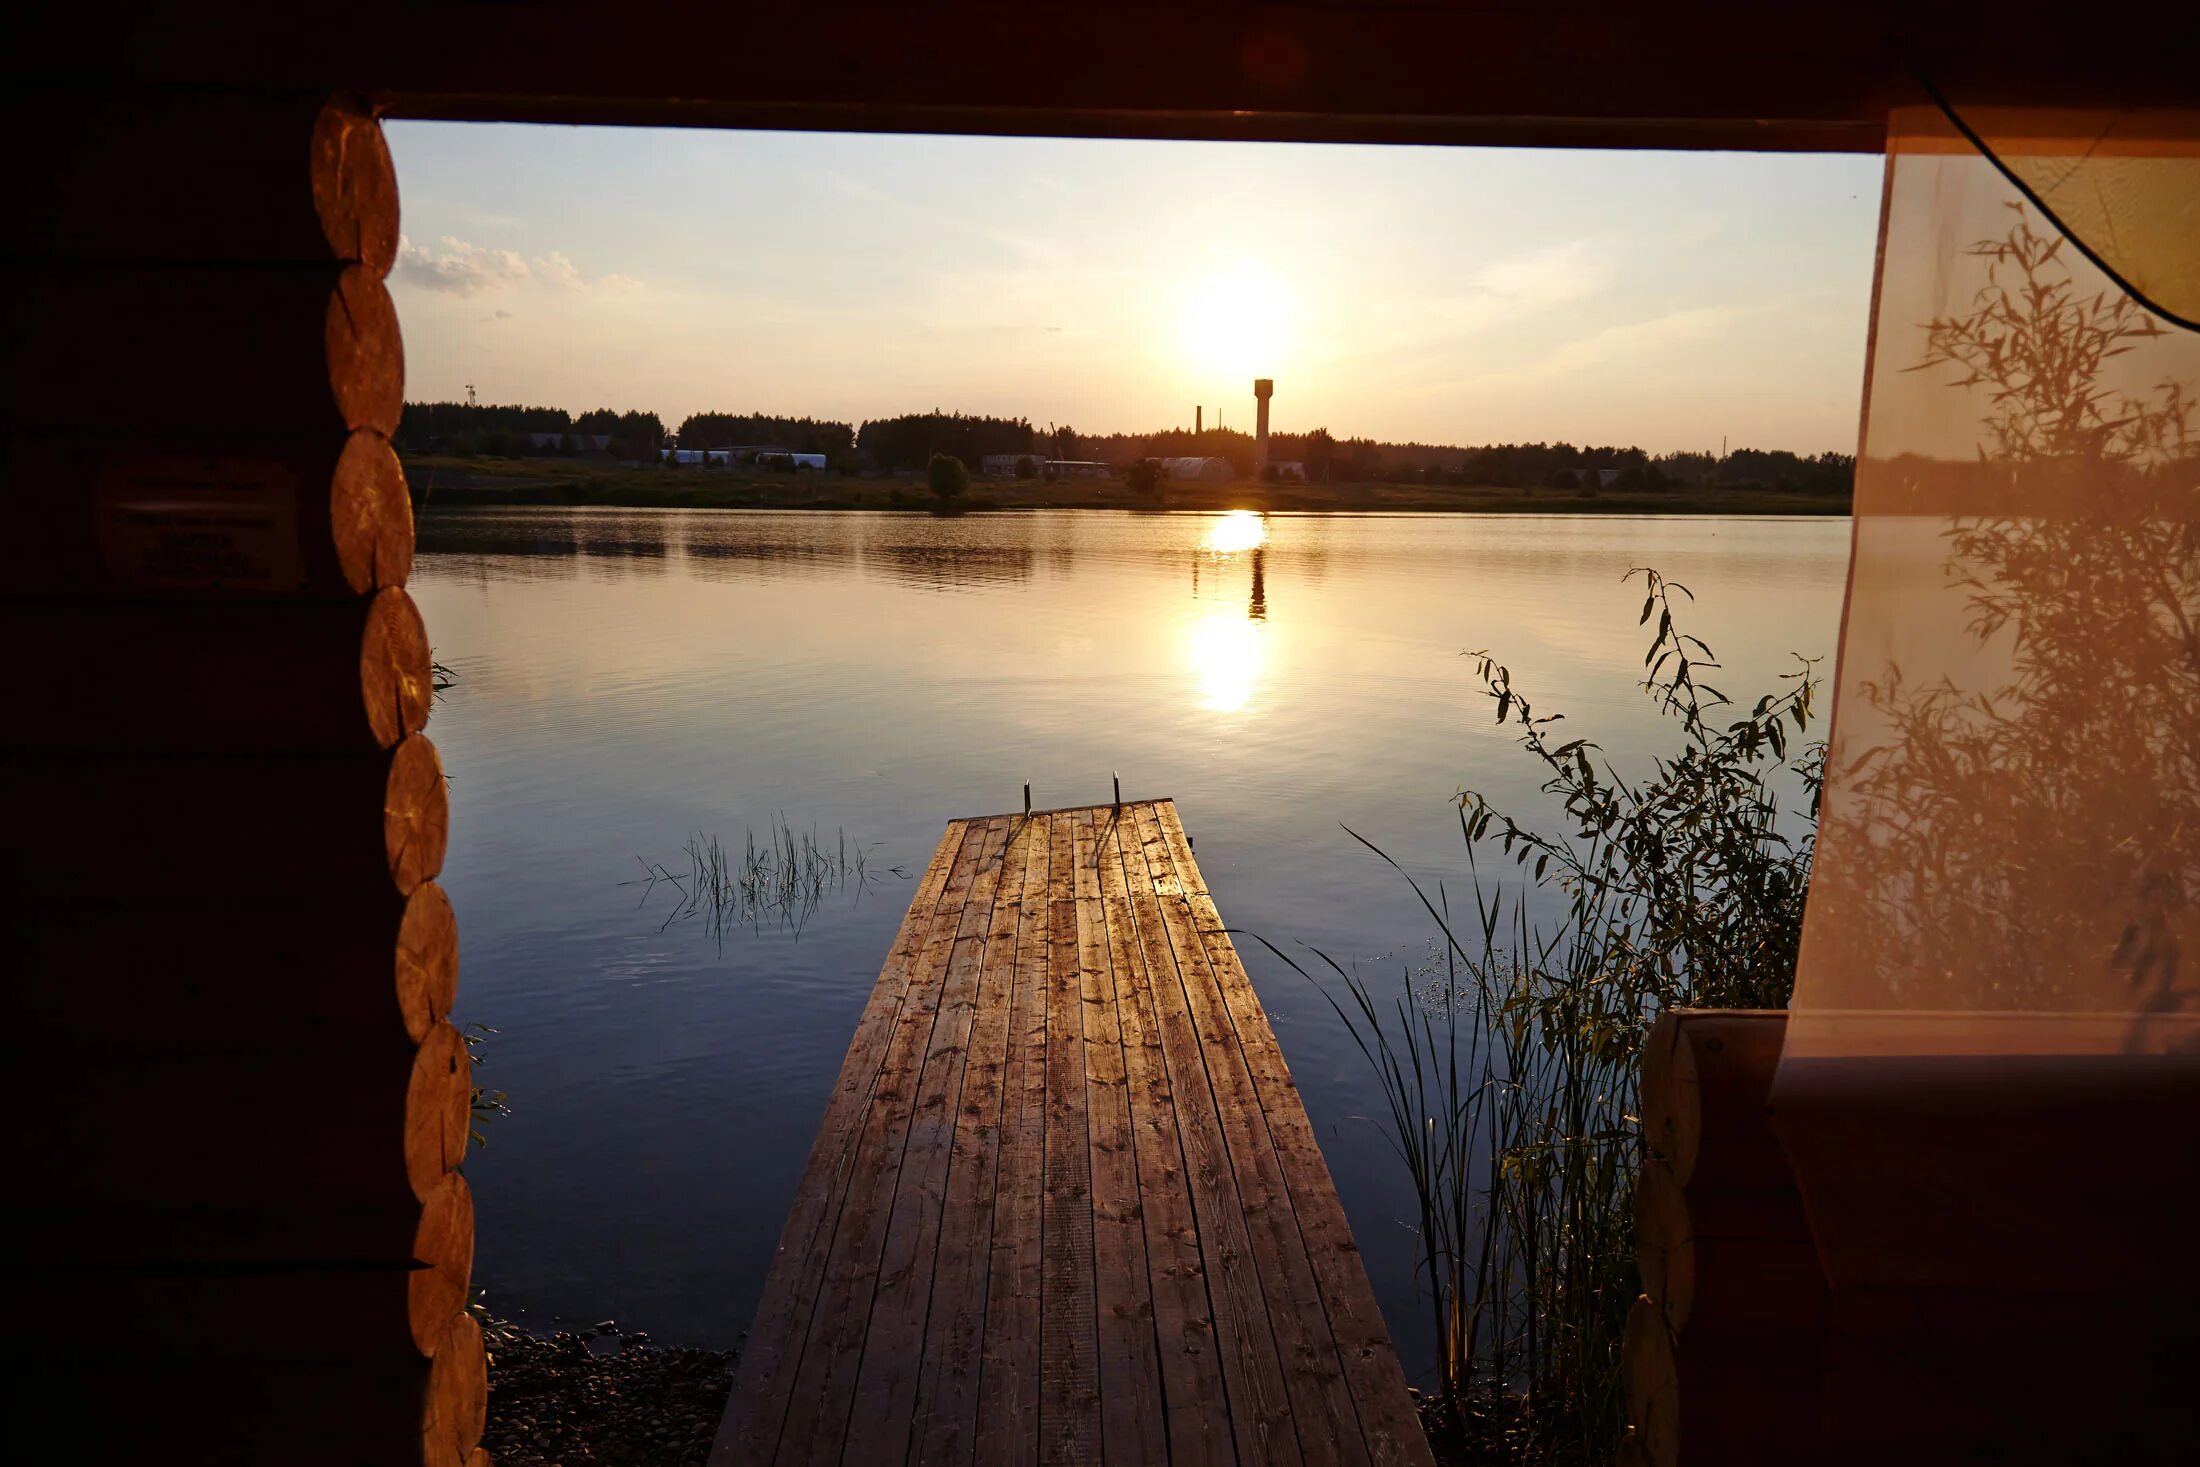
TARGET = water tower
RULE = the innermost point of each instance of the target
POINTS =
(1263, 389)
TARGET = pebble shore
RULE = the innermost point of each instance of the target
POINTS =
(600, 1396)
(608, 1396)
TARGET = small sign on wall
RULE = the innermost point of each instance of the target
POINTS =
(179, 522)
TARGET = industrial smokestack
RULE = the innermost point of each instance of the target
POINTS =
(1199, 419)
(1263, 389)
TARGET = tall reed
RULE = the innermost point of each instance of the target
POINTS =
(1509, 1062)
(779, 880)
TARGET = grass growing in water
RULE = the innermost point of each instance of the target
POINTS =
(1510, 1065)
(485, 1105)
(779, 881)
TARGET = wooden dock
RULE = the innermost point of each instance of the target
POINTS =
(1065, 1204)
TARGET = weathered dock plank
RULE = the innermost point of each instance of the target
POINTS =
(947, 1397)
(1197, 1414)
(1065, 1205)
(1132, 1424)
(764, 1378)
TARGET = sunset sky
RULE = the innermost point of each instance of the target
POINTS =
(1441, 295)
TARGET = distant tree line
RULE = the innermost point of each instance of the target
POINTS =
(909, 442)
(749, 430)
(1127, 448)
(454, 419)
(1568, 466)
(506, 428)
(1327, 459)
(1824, 473)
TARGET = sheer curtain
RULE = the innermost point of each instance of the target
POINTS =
(1991, 1084)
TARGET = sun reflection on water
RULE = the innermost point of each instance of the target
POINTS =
(1238, 531)
(1224, 650)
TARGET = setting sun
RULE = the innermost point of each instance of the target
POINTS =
(1235, 320)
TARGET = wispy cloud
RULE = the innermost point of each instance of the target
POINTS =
(1547, 286)
(1681, 331)
(1636, 339)
(854, 189)
(458, 267)
(555, 269)
(1563, 272)
(1522, 285)
(455, 267)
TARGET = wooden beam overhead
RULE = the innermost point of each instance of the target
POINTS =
(1604, 74)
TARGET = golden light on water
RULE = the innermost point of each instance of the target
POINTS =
(1224, 651)
(1238, 531)
(1235, 324)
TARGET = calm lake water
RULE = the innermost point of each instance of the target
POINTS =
(631, 679)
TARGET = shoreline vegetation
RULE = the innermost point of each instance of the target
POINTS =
(1511, 1058)
(443, 482)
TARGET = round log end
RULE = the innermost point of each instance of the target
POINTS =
(1682, 1115)
(1723, 1068)
(370, 515)
(1656, 1083)
(458, 1396)
(427, 959)
(438, 1109)
(366, 352)
(1652, 1385)
(355, 185)
(443, 1247)
(395, 678)
(416, 814)
(1665, 1251)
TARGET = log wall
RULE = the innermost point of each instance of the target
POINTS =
(1724, 1354)
(239, 1101)
(2009, 1240)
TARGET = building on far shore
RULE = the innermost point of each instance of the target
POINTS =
(1206, 470)
(1013, 465)
(783, 461)
(777, 460)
